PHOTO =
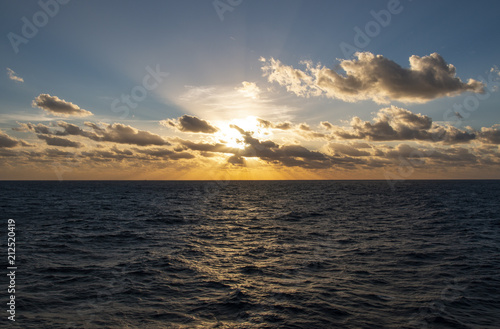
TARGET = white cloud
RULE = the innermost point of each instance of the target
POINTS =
(249, 89)
(13, 76)
(374, 77)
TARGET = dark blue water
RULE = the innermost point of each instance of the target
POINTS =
(320, 254)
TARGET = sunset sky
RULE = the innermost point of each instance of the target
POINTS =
(249, 89)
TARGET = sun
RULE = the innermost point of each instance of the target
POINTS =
(230, 136)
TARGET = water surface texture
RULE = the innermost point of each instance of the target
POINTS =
(315, 254)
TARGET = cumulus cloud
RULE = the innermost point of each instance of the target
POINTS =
(7, 142)
(56, 106)
(374, 77)
(396, 124)
(188, 123)
(13, 76)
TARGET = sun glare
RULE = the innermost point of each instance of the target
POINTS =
(230, 136)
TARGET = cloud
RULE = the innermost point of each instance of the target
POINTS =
(206, 147)
(120, 133)
(13, 76)
(374, 77)
(490, 135)
(39, 128)
(287, 155)
(7, 142)
(166, 153)
(249, 89)
(344, 149)
(56, 106)
(396, 124)
(188, 123)
(420, 156)
(115, 133)
(237, 160)
(276, 125)
(58, 141)
(360, 147)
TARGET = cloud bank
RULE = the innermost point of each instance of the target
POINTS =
(114, 133)
(395, 138)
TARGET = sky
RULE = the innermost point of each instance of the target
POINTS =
(249, 89)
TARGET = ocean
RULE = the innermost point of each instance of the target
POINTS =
(253, 254)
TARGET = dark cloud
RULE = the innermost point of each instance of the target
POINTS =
(165, 153)
(72, 129)
(56, 106)
(122, 152)
(115, 133)
(278, 125)
(206, 147)
(326, 125)
(305, 127)
(113, 154)
(58, 141)
(374, 77)
(396, 124)
(123, 134)
(7, 142)
(490, 135)
(8, 153)
(188, 123)
(55, 153)
(39, 128)
(236, 161)
(344, 149)
(419, 157)
(287, 155)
